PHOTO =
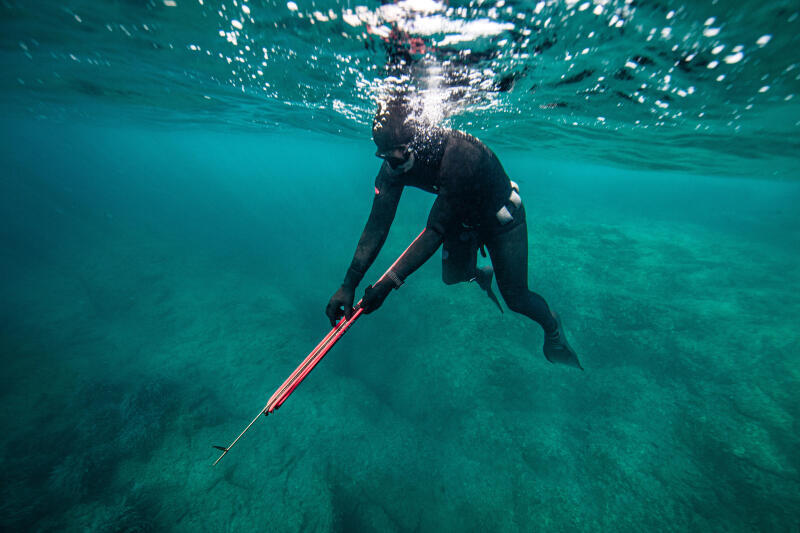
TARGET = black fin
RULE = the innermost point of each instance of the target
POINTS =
(221, 448)
(557, 350)
(495, 300)
(484, 278)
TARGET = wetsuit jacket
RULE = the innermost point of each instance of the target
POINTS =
(470, 184)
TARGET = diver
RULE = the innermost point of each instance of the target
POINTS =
(476, 206)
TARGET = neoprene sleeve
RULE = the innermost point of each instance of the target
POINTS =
(384, 208)
(419, 252)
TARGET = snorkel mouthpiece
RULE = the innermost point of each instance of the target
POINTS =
(405, 167)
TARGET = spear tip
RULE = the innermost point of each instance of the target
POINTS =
(224, 451)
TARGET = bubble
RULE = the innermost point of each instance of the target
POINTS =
(733, 58)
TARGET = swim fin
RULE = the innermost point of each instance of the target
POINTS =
(484, 278)
(557, 349)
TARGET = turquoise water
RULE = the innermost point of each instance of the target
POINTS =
(172, 228)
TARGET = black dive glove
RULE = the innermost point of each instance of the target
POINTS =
(375, 295)
(341, 303)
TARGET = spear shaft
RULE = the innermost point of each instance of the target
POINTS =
(308, 364)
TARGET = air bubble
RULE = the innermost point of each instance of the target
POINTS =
(733, 58)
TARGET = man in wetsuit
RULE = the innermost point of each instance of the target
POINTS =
(476, 205)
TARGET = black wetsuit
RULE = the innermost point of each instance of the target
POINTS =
(471, 187)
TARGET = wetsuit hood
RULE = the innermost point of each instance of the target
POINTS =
(403, 139)
(393, 131)
(392, 126)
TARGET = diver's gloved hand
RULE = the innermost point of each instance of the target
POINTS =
(341, 303)
(375, 295)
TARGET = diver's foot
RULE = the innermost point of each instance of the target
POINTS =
(483, 277)
(557, 349)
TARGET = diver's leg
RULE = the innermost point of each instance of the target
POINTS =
(509, 253)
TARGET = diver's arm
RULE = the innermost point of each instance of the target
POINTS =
(414, 257)
(440, 220)
(384, 207)
(420, 251)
